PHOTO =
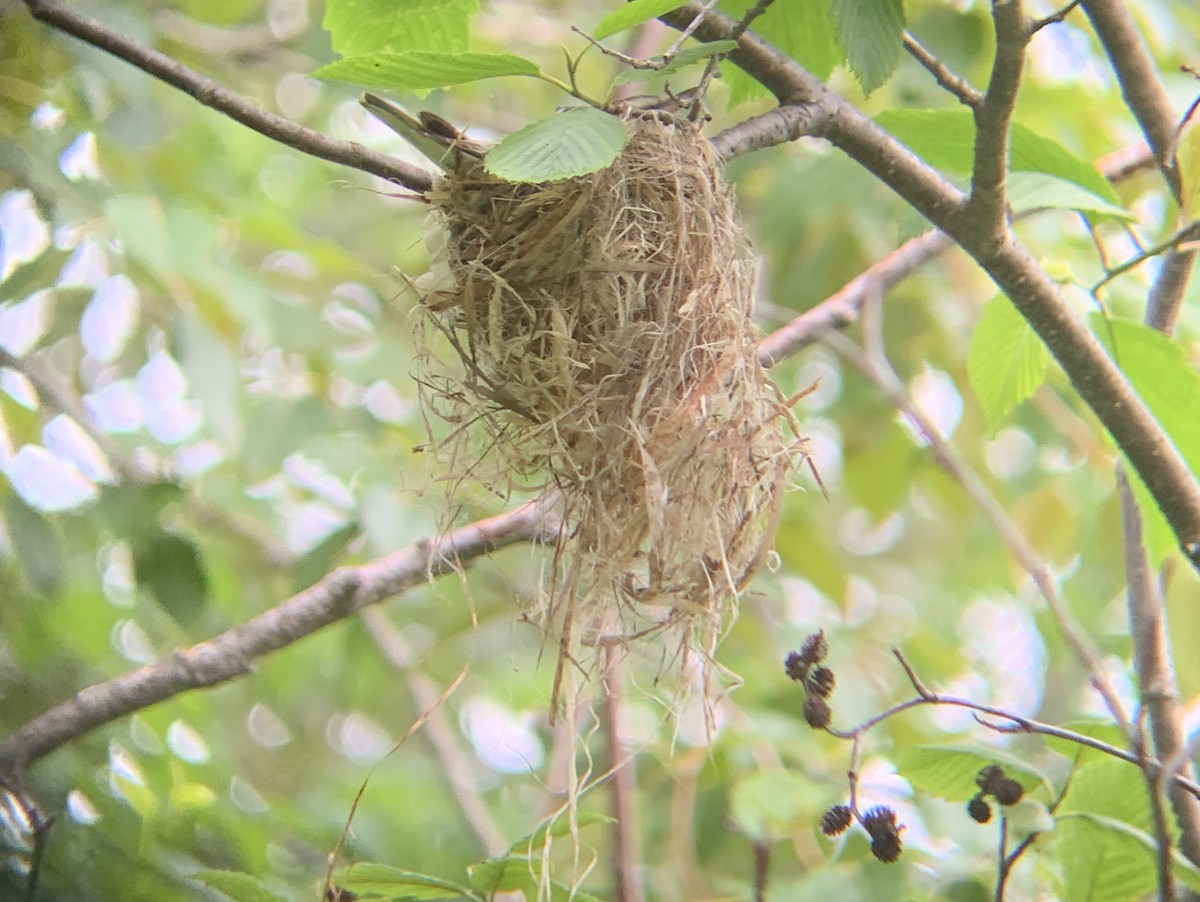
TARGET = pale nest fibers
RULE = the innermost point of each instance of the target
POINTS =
(605, 352)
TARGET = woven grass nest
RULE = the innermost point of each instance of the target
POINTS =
(604, 351)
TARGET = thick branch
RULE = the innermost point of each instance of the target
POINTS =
(1094, 375)
(1147, 98)
(1140, 85)
(211, 94)
(989, 204)
(1157, 686)
(229, 655)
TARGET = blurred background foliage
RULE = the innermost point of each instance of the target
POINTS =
(207, 404)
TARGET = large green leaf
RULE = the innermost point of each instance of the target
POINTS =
(418, 70)
(575, 142)
(1039, 191)
(872, 35)
(382, 881)
(950, 771)
(237, 886)
(361, 26)
(632, 14)
(1006, 361)
(946, 139)
(1160, 371)
(1105, 859)
(800, 28)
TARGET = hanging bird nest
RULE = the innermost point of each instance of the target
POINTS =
(605, 352)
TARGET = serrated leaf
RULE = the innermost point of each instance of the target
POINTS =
(575, 142)
(1160, 372)
(1039, 191)
(632, 14)
(369, 880)
(238, 886)
(1106, 859)
(950, 771)
(361, 26)
(688, 56)
(1006, 361)
(802, 29)
(871, 33)
(418, 70)
(945, 139)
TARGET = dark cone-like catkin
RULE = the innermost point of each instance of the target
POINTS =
(605, 351)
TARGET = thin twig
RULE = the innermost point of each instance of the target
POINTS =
(714, 61)
(1053, 18)
(213, 95)
(448, 750)
(955, 84)
(1016, 724)
(880, 372)
(1190, 232)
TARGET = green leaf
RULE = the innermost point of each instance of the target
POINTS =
(871, 31)
(945, 139)
(361, 26)
(505, 874)
(132, 510)
(1105, 859)
(575, 142)
(1006, 361)
(802, 29)
(237, 886)
(773, 803)
(555, 828)
(37, 546)
(632, 14)
(417, 70)
(1038, 191)
(1102, 730)
(38, 273)
(1187, 158)
(949, 771)
(372, 880)
(1159, 370)
(170, 568)
(688, 56)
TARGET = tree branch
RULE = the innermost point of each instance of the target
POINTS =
(230, 654)
(211, 94)
(876, 368)
(1140, 85)
(1148, 101)
(988, 206)
(955, 84)
(1097, 379)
